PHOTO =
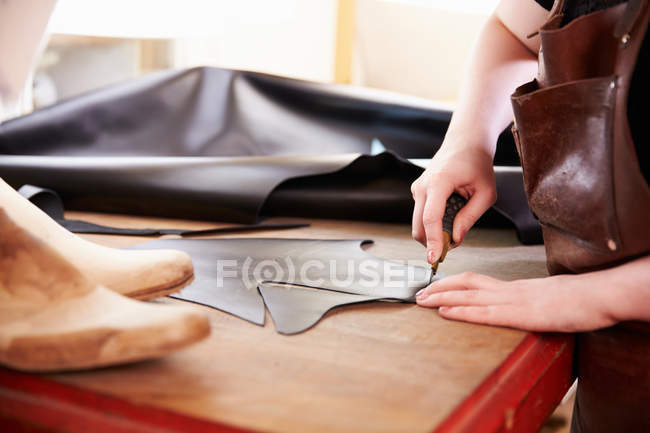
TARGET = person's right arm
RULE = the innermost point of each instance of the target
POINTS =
(503, 58)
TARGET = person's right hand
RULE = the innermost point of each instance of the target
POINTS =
(456, 167)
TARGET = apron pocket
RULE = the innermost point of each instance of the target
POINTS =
(565, 138)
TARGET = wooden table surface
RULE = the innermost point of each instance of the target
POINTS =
(377, 367)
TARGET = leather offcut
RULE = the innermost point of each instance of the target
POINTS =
(49, 202)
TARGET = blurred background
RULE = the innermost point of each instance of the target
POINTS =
(414, 47)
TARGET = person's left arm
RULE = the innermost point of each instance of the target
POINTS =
(564, 303)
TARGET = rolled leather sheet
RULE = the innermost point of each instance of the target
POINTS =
(221, 112)
(234, 146)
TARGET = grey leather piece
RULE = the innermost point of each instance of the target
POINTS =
(227, 272)
(295, 309)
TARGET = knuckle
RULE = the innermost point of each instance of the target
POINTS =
(428, 221)
(442, 178)
(442, 297)
(418, 236)
(469, 277)
(428, 218)
(486, 313)
(415, 186)
(436, 175)
(492, 196)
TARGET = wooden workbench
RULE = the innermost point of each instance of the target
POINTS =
(377, 367)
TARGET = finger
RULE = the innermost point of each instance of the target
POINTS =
(484, 314)
(440, 286)
(417, 227)
(434, 209)
(462, 298)
(478, 203)
(496, 315)
(464, 281)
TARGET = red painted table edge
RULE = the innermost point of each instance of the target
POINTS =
(516, 397)
(522, 392)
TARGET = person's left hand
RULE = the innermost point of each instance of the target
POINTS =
(565, 303)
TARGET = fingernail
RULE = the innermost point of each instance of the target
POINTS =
(443, 309)
(431, 257)
(420, 292)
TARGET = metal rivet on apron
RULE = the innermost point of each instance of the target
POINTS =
(612, 84)
(611, 245)
(625, 39)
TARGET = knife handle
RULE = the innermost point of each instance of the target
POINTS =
(454, 204)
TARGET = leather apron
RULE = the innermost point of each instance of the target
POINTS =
(581, 172)
(584, 184)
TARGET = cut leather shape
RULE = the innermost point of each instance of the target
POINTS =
(296, 309)
(228, 272)
(49, 202)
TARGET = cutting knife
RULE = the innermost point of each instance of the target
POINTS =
(454, 204)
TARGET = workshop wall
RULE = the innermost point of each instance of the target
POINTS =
(417, 47)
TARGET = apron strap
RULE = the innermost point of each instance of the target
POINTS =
(557, 8)
(629, 19)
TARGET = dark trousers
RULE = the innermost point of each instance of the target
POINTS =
(613, 368)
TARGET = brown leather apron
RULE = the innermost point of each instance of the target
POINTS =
(584, 184)
(582, 176)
